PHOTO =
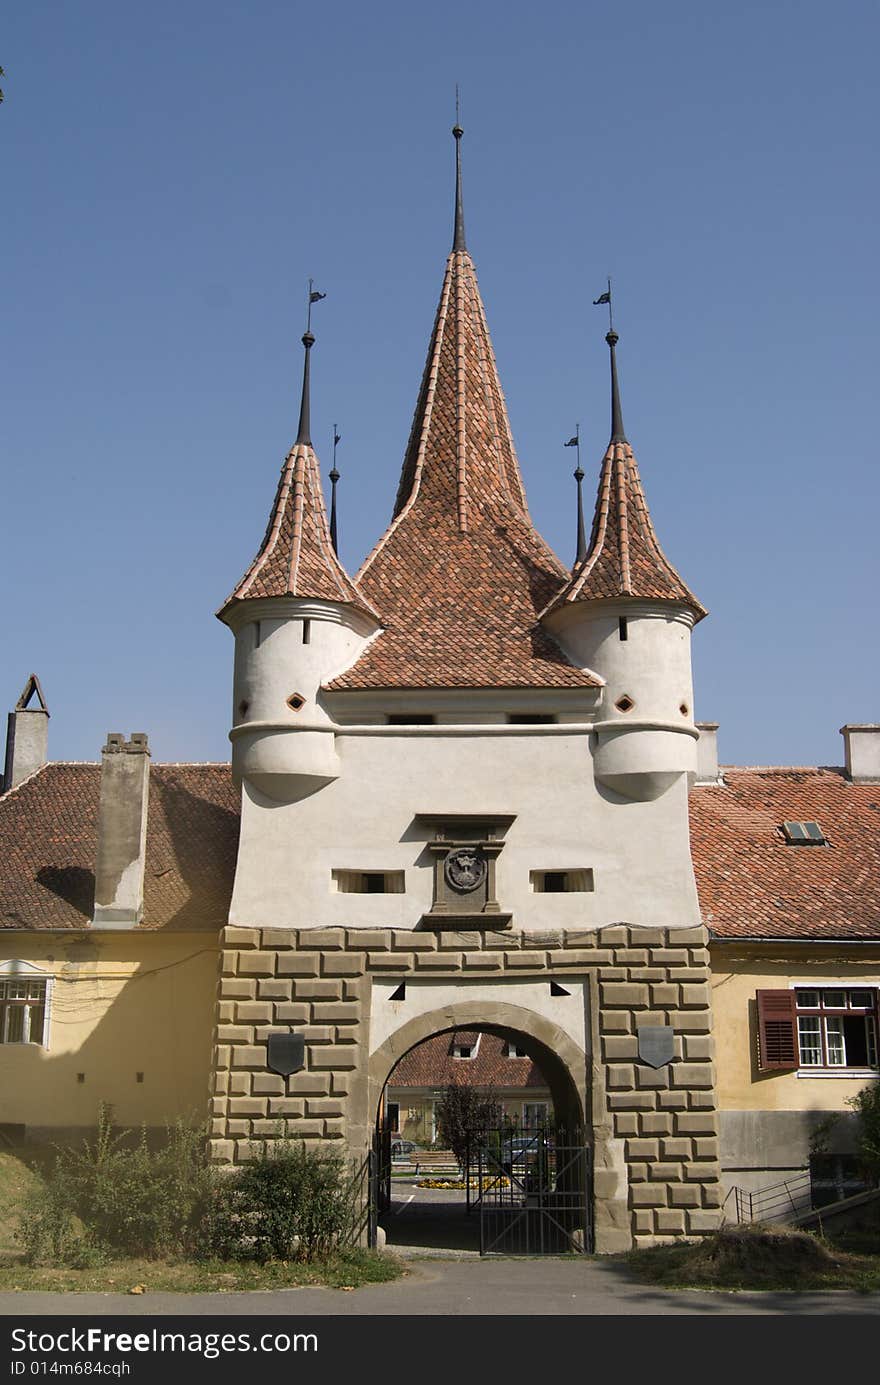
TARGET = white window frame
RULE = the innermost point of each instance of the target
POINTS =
(818, 1013)
(15, 969)
(532, 1105)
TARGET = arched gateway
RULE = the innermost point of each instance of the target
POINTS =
(464, 795)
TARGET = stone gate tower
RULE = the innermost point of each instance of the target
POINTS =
(464, 802)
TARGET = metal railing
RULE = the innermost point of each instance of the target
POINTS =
(776, 1203)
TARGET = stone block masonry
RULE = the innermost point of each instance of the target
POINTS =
(654, 1130)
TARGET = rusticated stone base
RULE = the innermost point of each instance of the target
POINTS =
(655, 1136)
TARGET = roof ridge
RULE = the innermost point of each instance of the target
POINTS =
(8, 793)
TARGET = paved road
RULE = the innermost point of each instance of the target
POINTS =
(461, 1288)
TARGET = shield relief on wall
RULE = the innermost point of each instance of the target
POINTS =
(656, 1044)
(285, 1053)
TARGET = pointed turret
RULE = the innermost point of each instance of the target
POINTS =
(297, 618)
(624, 558)
(627, 614)
(461, 574)
(297, 556)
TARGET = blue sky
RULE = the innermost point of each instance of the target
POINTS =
(172, 175)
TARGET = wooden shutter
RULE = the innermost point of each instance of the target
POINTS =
(777, 1031)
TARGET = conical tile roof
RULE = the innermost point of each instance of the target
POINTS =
(296, 557)
(624, 557)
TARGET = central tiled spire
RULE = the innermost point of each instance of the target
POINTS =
(461, 574)
(460, 447)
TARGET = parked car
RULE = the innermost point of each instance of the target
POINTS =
(401, 1147)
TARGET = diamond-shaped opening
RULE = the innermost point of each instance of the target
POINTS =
(684, 709)
(625, 703)
(296, 701)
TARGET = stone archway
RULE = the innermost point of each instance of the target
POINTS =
(562, 1061)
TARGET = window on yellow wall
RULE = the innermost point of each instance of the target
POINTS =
(23, 1008)
(836, 1028)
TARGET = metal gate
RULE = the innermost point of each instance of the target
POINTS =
(380, 1180)
(533, 1191)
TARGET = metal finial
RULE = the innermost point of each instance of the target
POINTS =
(579, 478)
(304, 431)
(458, 241)
(334, 477)
(617, 433)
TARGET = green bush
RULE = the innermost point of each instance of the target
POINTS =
(866, 1105)
(118, 1195)
(291, 1202)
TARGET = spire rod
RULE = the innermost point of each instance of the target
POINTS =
(579, 478)
(617, 433)
(334, 477)
(458, 242)
(304, 432)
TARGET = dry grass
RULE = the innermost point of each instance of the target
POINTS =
(347, 1270)
(757, 1257)
(16, 1181)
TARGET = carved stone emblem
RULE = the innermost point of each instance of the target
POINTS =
(465, 869)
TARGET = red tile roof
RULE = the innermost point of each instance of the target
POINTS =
(461, 575)
(48, 843)
(431, 1064)
(624, 558)
(296, 557)
(751, 884)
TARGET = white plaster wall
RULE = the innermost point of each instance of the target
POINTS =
(266, 674)
(568, 1012)
(652, 665)
(289, 751)
(365, 820)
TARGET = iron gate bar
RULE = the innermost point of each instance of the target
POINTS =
(534, 1191)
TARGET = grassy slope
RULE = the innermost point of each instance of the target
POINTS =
(16, 1181)
(761, 1257)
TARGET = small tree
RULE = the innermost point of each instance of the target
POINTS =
(866, 1105)
(463, 1113)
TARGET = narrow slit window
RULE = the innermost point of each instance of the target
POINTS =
(578, 881)
(410, 719)
(307, 632)
(623, 628)
(368, 881)
(530, 719)
(258, 633)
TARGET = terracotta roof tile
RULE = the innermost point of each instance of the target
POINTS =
(430, 1064)
(752, 884)
(461, 575)
(296, 557)
(624, 558)
(48, 843)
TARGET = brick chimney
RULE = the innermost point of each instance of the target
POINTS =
(862, 750)
(27, 736)
(122, 831)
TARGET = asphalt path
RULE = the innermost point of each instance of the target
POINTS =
(515, 1288)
